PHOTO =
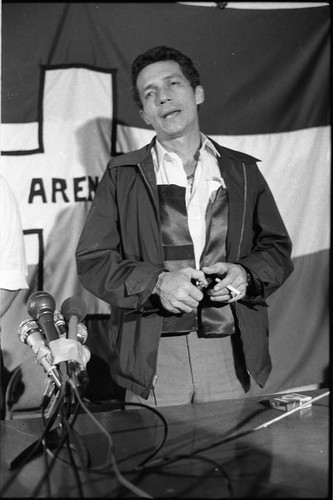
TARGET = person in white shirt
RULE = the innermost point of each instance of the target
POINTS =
(13, 267)
(185, 242)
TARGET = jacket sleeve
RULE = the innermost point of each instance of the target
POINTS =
(266, 252)
(101, 267)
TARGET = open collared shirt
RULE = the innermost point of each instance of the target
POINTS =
(169, 169)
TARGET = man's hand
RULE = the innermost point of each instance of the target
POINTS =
(176, 291)
(233, 276)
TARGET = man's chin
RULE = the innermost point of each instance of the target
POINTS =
(172, 132)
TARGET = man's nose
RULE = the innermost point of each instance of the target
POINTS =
(163, 96)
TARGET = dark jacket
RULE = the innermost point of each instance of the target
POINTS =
(119, 257)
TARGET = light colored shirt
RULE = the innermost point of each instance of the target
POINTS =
(13, 268)
(169, 169)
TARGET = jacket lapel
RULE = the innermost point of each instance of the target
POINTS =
(141, 159)
(232, 173)
(231, 168)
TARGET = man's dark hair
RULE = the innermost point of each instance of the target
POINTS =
(163, 53)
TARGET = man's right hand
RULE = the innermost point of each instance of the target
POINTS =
(177, 292)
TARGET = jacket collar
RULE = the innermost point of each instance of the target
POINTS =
(133, 157)
(140, 155)
(231, 153)
(232, 171)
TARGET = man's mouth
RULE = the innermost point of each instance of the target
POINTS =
(171, 114)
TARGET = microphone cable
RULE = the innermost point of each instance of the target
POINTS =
(234, 435)
(67, 429)
(155, 451)
(23, 459)
(72, 437)
(15, 377)
(27, 454)
(112, 459)
(165, 434)
(64, 439)
(165, 461)
(46, 446)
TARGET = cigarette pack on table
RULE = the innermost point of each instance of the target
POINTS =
(287, 402)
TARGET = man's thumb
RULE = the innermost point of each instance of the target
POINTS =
(217, 268)
(198, 274)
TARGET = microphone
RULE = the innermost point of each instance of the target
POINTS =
(41, 306)
(30, 334)
(60, 323)
(82, 333)
(74, 310)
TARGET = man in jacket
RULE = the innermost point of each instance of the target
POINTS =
(185, 241)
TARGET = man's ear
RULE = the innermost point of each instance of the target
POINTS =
(144, 117)
(199, 94)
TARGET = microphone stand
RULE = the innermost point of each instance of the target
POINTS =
(53, 437)
(59, 400)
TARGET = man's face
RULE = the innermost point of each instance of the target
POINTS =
(169, 102)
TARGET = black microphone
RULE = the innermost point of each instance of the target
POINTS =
(41, 306)
(74, 310)
(30, 334)
(60, 323)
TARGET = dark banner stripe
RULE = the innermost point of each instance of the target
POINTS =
(263, 71)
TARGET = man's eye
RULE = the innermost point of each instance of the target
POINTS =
(149, 94)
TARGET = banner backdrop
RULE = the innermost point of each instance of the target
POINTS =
(67, 107)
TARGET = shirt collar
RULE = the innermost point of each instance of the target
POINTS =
(159, 152)
(208, 145)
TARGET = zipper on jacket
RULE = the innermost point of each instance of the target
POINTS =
(155, 202)
(148, 184)
(155, 377)
(239, 246)
(244, 211)
(152, 387)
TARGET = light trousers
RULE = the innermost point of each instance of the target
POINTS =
(197, 370)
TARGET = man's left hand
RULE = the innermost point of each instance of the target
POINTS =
(230, 284)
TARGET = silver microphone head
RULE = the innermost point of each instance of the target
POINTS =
(60, 323)
(82, 333)
(26, 328)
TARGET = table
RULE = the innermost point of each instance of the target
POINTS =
(219, 453)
